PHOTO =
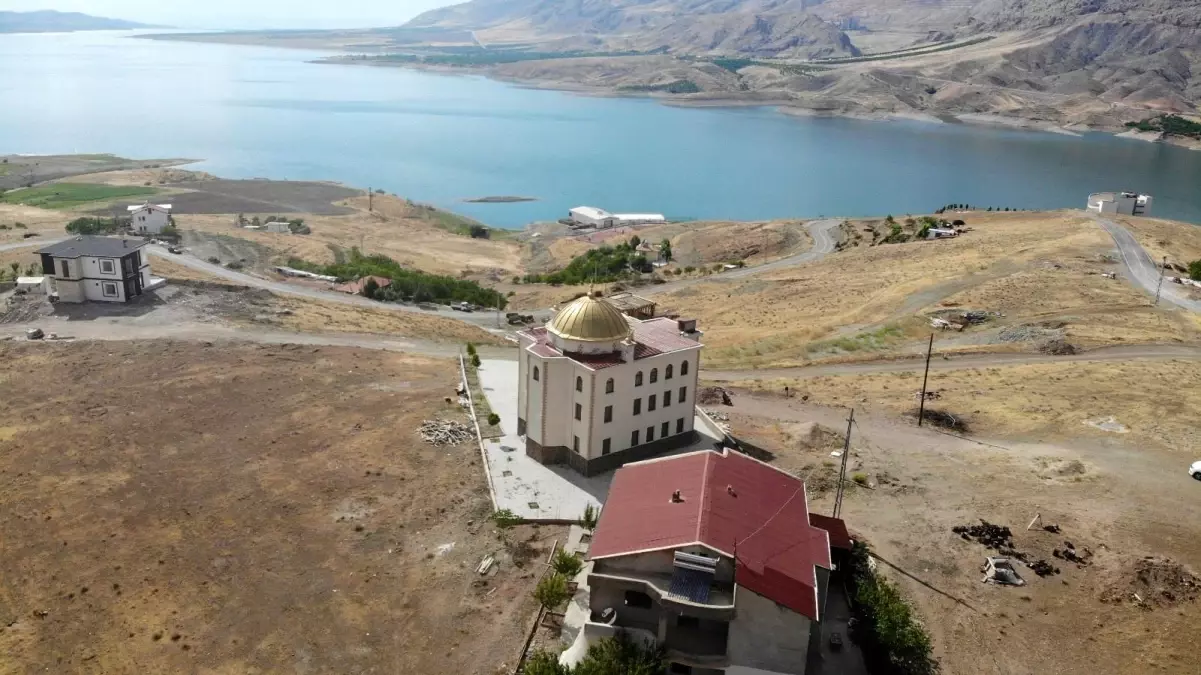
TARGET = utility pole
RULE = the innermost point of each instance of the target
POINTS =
(1159, 287)
(498, 296)
(842, 471)
(921, 410)
(370, 200)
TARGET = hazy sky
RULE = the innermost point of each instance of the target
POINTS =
(244, 13)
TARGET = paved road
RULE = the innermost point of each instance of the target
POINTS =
(1122, 353)
(1141, 270)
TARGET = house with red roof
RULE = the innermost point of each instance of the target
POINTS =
(715, 557)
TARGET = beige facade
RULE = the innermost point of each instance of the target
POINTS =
(598, 392)
(97, 269)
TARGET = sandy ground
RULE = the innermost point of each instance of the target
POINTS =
(234, 511)
(1118, 497)
(1028, 267)
(1165, 238)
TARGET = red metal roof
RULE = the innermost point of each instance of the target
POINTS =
(839, 536)
(356, 287)
(729, 501)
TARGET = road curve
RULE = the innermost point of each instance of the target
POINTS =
(823, 245)
(1119, 353)
(1141, 270)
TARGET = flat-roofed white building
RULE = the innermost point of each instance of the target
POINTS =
(598, 388)
(591, 216)
(1120, 203)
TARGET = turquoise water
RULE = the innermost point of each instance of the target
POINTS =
(251, 112)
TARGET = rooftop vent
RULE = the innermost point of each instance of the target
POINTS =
(730, 489)
(676, 498)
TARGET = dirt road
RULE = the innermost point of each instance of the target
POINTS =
(1122, 353)
(1141, 270)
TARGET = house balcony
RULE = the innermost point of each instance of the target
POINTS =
(715, 602)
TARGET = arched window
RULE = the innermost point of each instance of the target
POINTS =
(579, 383)
(667, 373)
(684, 368)
(654, 375)
(638, 379)
(609, 386)
(535, 373)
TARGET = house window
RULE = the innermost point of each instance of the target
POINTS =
(650, 402)
(667, 373)
(683, 393)
(680, 426)
(633, 438)
(579, 384)
(654, 375)
(638, 600)
(684, 368)
(107, 267)
(66, 268)
(638, 379)
(650, 434)
(109, 289)
(535, 373)
(575, 444)
(579, 411)
(666, 398)
(664, 429)
(609, 386)
(605, 446)
(608, 414)
(637, 406)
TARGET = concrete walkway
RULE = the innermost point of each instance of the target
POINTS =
(522, 485)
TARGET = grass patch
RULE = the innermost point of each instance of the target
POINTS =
(483, 411)
(68, 195)
(869, 341)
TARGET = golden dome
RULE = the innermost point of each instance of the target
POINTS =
(589, 319)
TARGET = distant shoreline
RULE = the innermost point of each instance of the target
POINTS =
(501, 199)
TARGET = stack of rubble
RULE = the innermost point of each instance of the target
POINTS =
(714, 395)
(445, 432)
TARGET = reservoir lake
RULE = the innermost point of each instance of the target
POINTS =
(264, 112)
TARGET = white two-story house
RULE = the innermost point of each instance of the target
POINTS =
(102, 269)
(149, 218)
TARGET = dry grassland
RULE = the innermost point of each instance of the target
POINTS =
(1028, 266)
(246, 509)
(1154, 401)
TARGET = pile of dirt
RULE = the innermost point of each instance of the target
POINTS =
(714, 395)
(814, 436)
(1057, 347)
(26, 307)
(996, 537)
(1154, 582)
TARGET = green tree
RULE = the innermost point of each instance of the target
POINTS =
(1194, 270)
(589, 518)
(371, 288)
(567, 564)
(552, 590)
(33, 270)
(635, 241)
(493, 419)
(665, 250)
(475, 360)
(16, 268)
(621, 656)
(471, 348)
(542, 662)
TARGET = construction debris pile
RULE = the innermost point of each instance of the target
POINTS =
(1000, 539)
(1155, 582)
(959, 320)
(713, 396)
(445, 432)
(1057, 347)
(721, 419)
(1069, 554)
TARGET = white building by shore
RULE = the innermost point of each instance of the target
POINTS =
(590, 216)
(598, 389)
(1120, 203)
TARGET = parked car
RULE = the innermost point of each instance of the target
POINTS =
(1195, 470)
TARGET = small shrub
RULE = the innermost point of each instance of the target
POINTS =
(589, 518)
(860, 478)
(471, 348)
(1194, 270)
(235, 265)
(475, 360)
(19, 225)
(567, 564)
(214, 260)
(552, 591)
(493, 419)
(504, 519)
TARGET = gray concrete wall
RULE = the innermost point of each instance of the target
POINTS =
(767, 636)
